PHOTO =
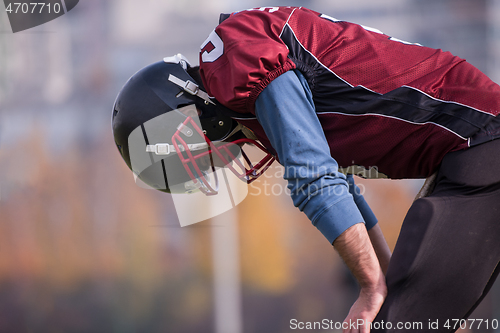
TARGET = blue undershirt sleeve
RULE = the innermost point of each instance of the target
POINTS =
(286, 112)
(364, 208)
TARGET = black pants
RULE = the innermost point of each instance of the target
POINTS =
(447, 254)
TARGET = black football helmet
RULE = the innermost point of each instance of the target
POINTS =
(173, 136)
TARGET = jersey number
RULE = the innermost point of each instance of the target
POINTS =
(212, 48)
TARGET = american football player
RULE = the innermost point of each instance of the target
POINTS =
(323, 95)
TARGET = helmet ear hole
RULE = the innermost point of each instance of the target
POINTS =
(218, 127)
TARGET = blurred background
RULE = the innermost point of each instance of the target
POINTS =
(84, 249)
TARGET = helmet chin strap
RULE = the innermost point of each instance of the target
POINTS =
(191, 88)
(245, 130)
(166, 149)
(238, 128)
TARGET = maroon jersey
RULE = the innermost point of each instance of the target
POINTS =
(382, 102)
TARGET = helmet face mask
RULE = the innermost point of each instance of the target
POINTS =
(219, 154)
(173, 137)
(199, 156)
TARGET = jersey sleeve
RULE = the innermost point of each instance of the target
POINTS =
(243, 54)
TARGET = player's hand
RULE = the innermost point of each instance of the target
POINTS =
(365, 309)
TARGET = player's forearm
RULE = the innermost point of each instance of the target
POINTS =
(355, 248)
(380, 246)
